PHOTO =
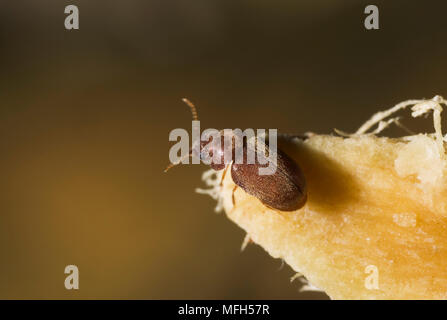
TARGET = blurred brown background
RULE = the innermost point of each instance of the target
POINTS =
(85, 117)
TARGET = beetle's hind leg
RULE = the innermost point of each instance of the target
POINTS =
(281, 213)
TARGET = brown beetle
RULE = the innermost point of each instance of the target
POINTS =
(284, 190)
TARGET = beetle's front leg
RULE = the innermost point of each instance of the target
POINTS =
(223, 175)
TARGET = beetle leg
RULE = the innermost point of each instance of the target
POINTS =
(273, 209)
(223, 175)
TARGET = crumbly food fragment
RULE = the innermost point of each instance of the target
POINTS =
(375, 222)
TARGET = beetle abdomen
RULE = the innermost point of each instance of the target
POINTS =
(284, 190)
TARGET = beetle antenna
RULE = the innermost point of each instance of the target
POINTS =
(178, 162)
(194, 117)
(193, 109)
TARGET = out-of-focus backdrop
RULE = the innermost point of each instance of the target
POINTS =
(85, 117)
